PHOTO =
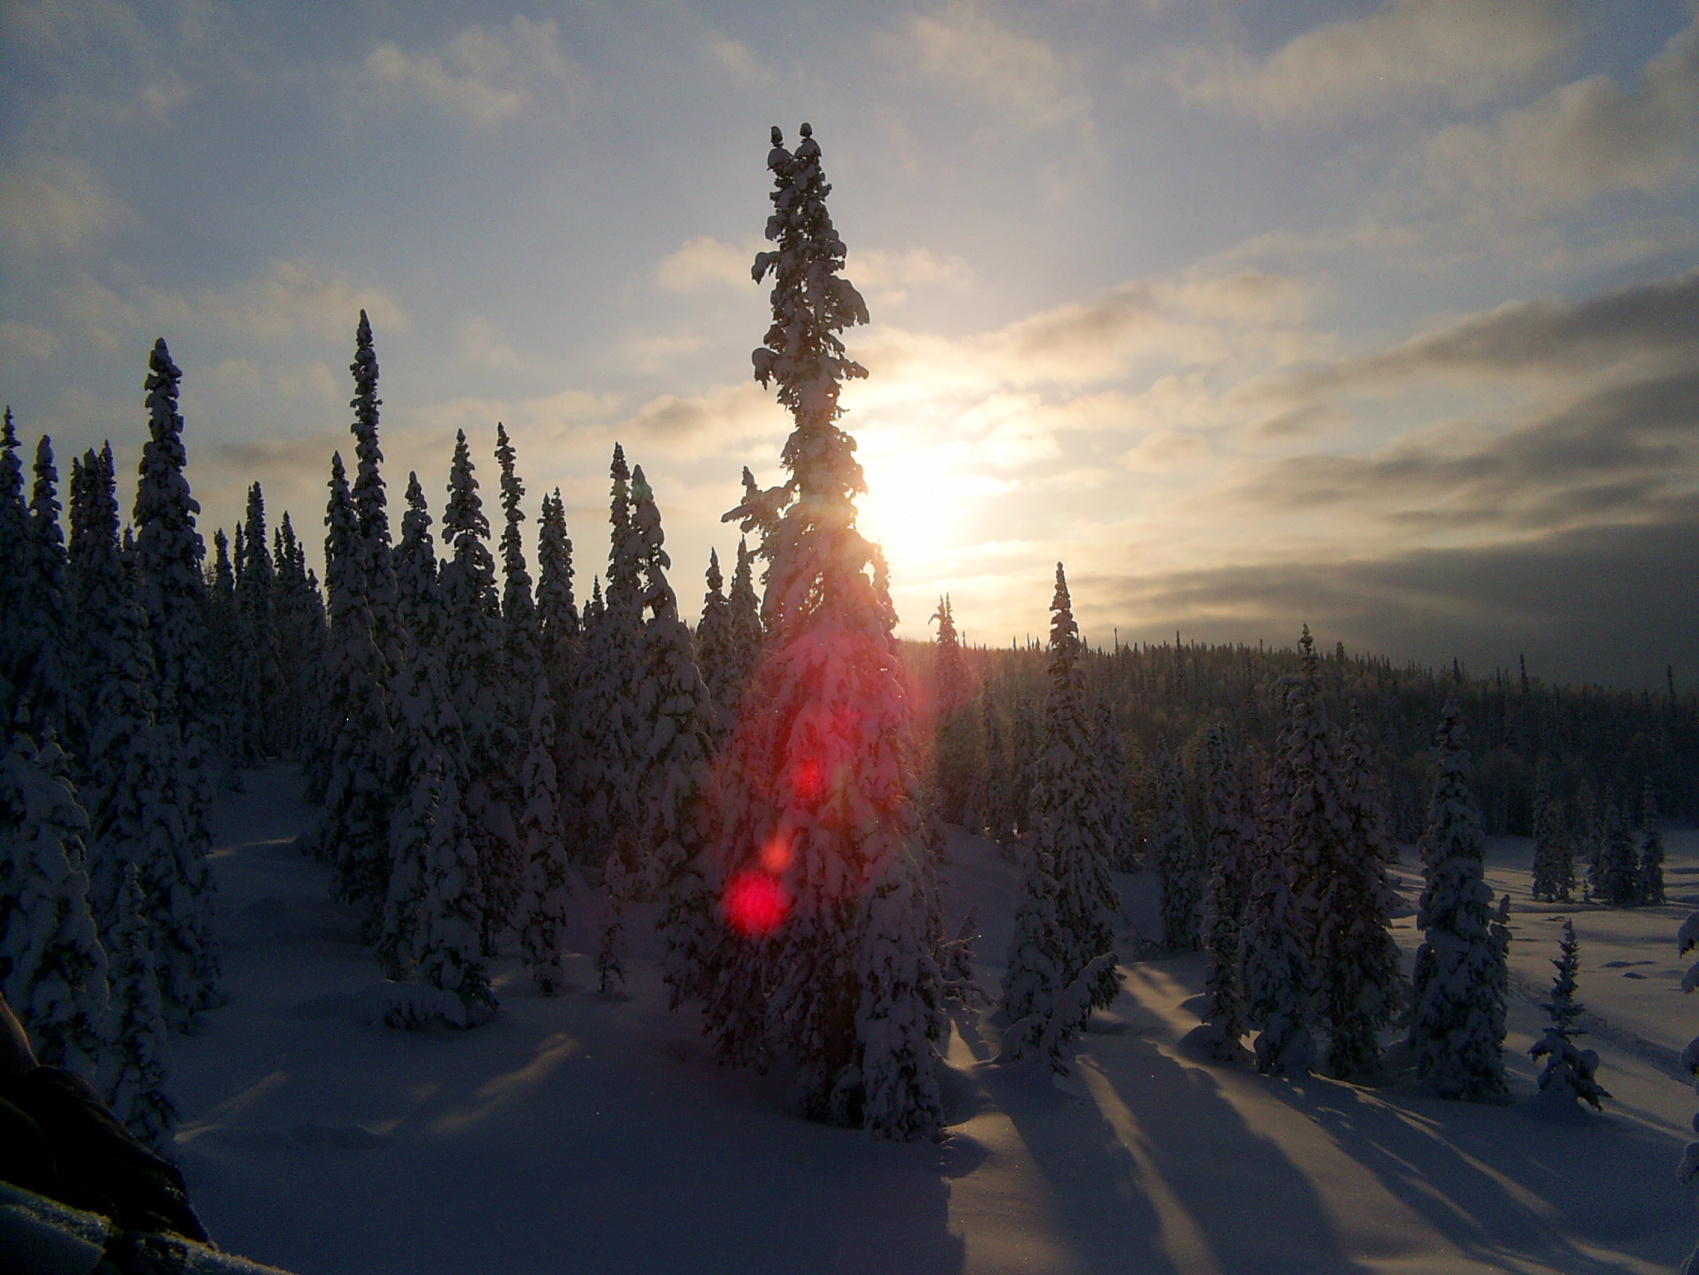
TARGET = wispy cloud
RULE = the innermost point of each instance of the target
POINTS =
(1459, 52)
(54, 203)
(291, 298)
(485, 75)
(962, 47)
(1595, 136)
(705, 261)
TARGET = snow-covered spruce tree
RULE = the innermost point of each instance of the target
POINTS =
(1175, 853)
(473, 661)
(606, 766)
(353, 832)
(122, 778)
(370, 500)
(559, 633)
(448, 952)
(44, 688)
(1569, 1072)
(672, 747)
(545, 879)
(953, 761)
(15, 546)
(427, 730)
(713, 644)
(748, 634)
(1361, 984)
(1033, 974)
(818, 791)
(133, 1070)
(167, 554)
(1586, 826)
(86, 482)
(1457, 1017)
(1651, 878)
(900, 1011)
(1279, 971)
(299, 616)
(1554, 852)
(1618, 880)
(1112, 762)
(1070, 816)
(224, 640)
(52, 967)
(1230, 850)
(521, 683)
(260, 676)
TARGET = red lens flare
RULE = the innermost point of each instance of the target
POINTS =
(754, 903)
(807, 777)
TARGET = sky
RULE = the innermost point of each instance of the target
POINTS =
(1380, 317)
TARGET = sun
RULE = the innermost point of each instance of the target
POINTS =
(909, 509)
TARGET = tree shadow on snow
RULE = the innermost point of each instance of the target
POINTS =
(1500, 1182)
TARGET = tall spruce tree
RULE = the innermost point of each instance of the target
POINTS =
(428, 734)
(168, 553)
(1361, 984)
(747, 632)
(261, 672)
(953, 723)
(15, 557)
(353, 833)
(1457, 1019)
(818, 791)
(1071, 820)
(606, 764)
(473, 660)
(44, 691)
(1279, 969)
(373, 545)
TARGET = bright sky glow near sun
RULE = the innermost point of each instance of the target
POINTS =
(1380, 314)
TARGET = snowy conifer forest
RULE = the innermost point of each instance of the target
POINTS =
(441, 907)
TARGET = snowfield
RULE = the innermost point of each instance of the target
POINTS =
(583, 1133)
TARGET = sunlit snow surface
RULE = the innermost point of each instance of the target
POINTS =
(591, 1134)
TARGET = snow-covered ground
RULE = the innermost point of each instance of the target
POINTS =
(584, 1133)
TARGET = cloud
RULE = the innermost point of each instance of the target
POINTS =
(1619, 452)
(54, 203)
(888, 277)
(1609, 603)
(961, 47)
(705, 261)
(721, 420)
(481, 343)
(33, 339)
(486, 75)
(738, 60)
(1463, 52)
(1592, 137)
(1637, 321)
(291, 298)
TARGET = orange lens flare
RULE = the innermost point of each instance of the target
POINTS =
(776, 856)
(754, 903)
